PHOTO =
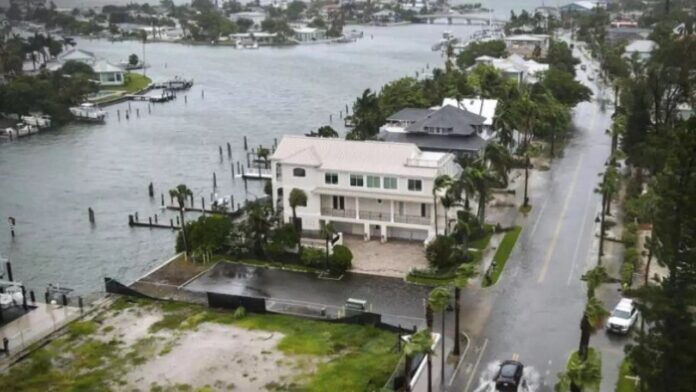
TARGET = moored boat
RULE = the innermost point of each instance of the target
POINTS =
(88, 112)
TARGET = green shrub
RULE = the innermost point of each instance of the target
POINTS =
(340, 260)
(440, 252)
(631, 227)
(627, 270)
(631, 256)
(313, 257)
(239, 313)
(629, 239)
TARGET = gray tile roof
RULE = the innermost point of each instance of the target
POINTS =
(461, 121)
(440, 143)
(409, 114)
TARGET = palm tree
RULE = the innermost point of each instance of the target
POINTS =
(464, 183)
(263, 153)
(448, 201)
(297, 198)
(181, 193)
(438, 300)
(258, 224)
(608, 187)
(461, 280)
(499, 160)
(441, 182)
(420, 342)
(594, 313)
(483, 179)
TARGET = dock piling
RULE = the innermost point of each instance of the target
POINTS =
(239, 171)
(149, 109)
(24, 298)
(232, 202)
(171, 223)
(177, 220)
(155, 218)
(214, 181)
(90, 214)
(118, 114)
(129, 107)
(185, 99)
(220, 151)
(202, 94)
(8, 267)
(191, 198)
(229, 151)
(248, 161)
(131, 222)
(330, 118)
(162, 198)
(32, 296)
(149, 221)
(12, 222)
(137, 112)
(151, 190)
(203, 204)
(245, 144)
(136, 217)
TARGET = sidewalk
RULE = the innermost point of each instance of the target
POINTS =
(438, 383)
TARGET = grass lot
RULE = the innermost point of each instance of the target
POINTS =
(502, 254)
(624, 384)
(268, 264)
(134, 83)
(119, 348)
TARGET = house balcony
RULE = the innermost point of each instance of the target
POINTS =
(412, 219)
(375, 215)
(338, 213)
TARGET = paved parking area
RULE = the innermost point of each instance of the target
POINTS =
(393, 258)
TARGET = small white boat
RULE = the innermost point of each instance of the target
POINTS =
(176, 84)
(88, 112)
(42, 121)
(11, 297)
(19, 130)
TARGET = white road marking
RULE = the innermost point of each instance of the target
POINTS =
(476, 365)
(557, 232)
(577, 245)
(538, 219)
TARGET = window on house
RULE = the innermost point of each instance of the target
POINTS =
(298, 172)
(339, 203)
(356, 180)
(373, 182)
(389, 182)
(331, 178)
(415, 185)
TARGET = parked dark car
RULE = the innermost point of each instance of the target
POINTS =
(509, 376)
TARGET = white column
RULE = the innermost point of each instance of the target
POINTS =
(357, 208)
(383, 229)
(391, 206)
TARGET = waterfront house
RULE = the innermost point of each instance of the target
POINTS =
(627, 34)
(450, 128)
(525, 44)
(79, 55)
(308, 34)
(367, 188)
(514, 67)
(108, 74)
(256, 17)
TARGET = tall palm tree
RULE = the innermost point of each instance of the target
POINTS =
(297, 198)
(607, 188)
(438, 300)
(483, 179)
(499, 160)
(420, 342)
(441, 182)
(464, 183)
(594, 313)
(461, 280)
(181, 193)
(448, 201)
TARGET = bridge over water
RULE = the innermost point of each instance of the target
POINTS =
(462, 19)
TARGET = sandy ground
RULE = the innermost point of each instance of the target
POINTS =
(393, 258)
(224, 357)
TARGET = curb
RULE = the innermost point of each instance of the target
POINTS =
(461, 359)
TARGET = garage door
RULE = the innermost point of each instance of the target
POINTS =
(349, 228)
(407, 234)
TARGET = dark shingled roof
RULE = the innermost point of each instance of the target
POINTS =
(440, 143)
(460, 120)
(409, 114)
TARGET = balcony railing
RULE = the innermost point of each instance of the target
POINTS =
(375, 215)
(338, 213)
(412, 219)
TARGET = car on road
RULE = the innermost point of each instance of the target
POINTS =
(623, 316)
(509, 377)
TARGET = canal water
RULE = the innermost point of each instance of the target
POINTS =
(48, 181)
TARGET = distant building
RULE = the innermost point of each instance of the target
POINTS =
(384, 16)
(627, 34)
(525, 44)
(515, 67)
(79, 55)
(309, 34)
(109, 74)
(643, 48)
(256, 17)
(582, 7)
(449, 128)
(366, 188)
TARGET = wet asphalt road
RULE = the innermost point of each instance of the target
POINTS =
(533, 313)
(397, 301)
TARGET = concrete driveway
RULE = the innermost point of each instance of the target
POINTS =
(393, 258)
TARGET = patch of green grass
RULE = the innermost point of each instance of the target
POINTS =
(81, 328)
(624, 384)
(481, 243)
(134, 83)
(273, 265)
(502, 254)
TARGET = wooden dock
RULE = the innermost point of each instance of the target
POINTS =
(134, 223)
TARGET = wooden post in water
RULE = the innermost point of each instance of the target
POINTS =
(155, 218)
(9, 271)
(185, 99)
(151, 190)
(203, 204)
(191, 200)
(275, 143)
(130, 221)
(149, 219)
(202, 94)
(129, 108)
(231, 203)
(149, 109)
(229, 151)
(248, 161)
(137, 112)
(90, 213)
(214, 181)
(239, 171)
(220, 151)
(177, 220)
(245, 144)
(340, 114)
(171, 199)
(171, 223)
(330, 118)
(136, 216)
(118, 114)
(162, 197)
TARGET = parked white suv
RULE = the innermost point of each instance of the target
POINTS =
(623, 316)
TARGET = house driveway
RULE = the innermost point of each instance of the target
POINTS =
(393, 258)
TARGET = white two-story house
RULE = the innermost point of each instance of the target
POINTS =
(367, 188)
